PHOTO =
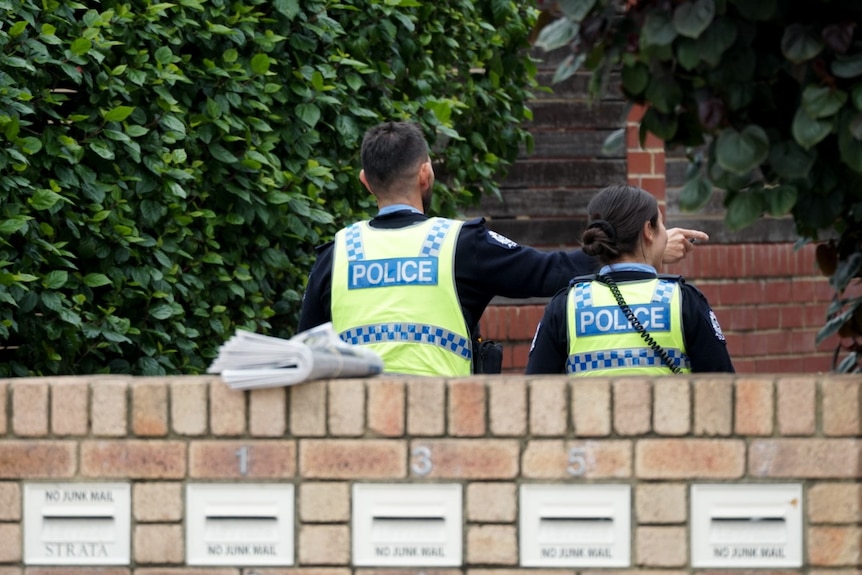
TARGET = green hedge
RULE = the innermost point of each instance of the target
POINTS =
(166, 169)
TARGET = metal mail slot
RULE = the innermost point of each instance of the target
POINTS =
(406, 525)
(742, 525)
(77, 523)
(239, 524)
(575, 525)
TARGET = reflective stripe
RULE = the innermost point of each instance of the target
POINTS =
(434, 239)
(583, 295)
(663, 291)
(409, 332)
(353, 241)
(623, 358)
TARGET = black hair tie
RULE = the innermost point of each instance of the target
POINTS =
(605, 227)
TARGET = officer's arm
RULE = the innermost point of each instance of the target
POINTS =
(704, 340)
(508, 269)
(316, 309)
(549, 349)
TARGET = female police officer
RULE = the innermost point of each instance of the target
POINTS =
(628, 319)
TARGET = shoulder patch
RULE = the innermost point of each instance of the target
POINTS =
(715, 327)
(501, 240)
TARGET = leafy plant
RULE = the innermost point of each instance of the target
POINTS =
(766, 97)
(168, 167)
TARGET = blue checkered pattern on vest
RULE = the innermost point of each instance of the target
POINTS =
(353, 241)
(408, 332)
(623, 358)
(663, 291)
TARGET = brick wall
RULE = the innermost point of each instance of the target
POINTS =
(768, 296)
(487, 435)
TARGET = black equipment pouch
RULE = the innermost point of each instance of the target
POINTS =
(487, 356)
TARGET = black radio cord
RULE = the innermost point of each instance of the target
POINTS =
(630, 315)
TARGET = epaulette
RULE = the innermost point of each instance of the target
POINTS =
(585, 278)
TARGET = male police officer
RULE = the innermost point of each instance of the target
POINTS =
(412, 287)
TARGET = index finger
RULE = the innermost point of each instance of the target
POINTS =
(694, 234)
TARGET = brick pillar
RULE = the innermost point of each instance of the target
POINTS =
(646, 166)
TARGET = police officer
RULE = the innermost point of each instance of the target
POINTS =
(628, 319)
(412, 287)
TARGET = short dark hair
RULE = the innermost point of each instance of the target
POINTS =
(391, 151)
(616, 218)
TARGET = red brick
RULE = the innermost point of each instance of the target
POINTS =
(507, 406)
(227, 409)
(150, 408)
(842, 406)
(640, 163)
(267, 413)
(27, 459)
(352, 459)
(3, 394)
(556, 459)
(68, 570)
(426, 414)
(465, 458)
(191, 571)
(835, 546)
(656, 186)
(30, 407)
(492, 545)
(308, 409)
(133, 459)
(10, 535)
(467, 400)
(224, 459)
(796, 406)
(805, 458)
(70, 407)
(632, 411)
(386, 401)
(520, 356)
(689, 459)
(548, 415)
(754, 409)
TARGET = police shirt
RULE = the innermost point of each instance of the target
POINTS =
(486, 265)
(704, 341)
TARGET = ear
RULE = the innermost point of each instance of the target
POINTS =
(648, 233)
(425, 174)
(364, 181)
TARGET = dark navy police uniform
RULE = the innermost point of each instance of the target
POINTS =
(707, 349)
(486, 265)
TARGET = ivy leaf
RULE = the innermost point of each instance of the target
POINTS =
(780, 199)
(80, 46)
(576, 9)
(96, 280)
(807, 131)
(29, 145)
(635, 78)
(757, 10)
(741, 152)
(658, 30)
(55, 279)
(664, 126)
(744, 209)
(847, 66)
(557, 34)
(797, 45)
(691, 18)
(44, 199)
(260, 63)
(790, 160)
(309, 114)
(695, 193)
(822, 101)
(118, 114)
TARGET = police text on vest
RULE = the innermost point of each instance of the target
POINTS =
(392, 272)
(611, 319)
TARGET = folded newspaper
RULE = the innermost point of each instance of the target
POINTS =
(251, 360)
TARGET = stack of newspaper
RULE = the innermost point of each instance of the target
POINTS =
(250, 360)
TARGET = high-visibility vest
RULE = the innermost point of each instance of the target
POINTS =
(394, 291)
(602, 341)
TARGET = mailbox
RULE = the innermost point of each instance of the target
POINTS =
(575, 525)
(746, 525)
(406, 525)
(239, 524)
(76, 523)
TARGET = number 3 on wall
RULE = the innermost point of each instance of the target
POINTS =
(421, 464)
